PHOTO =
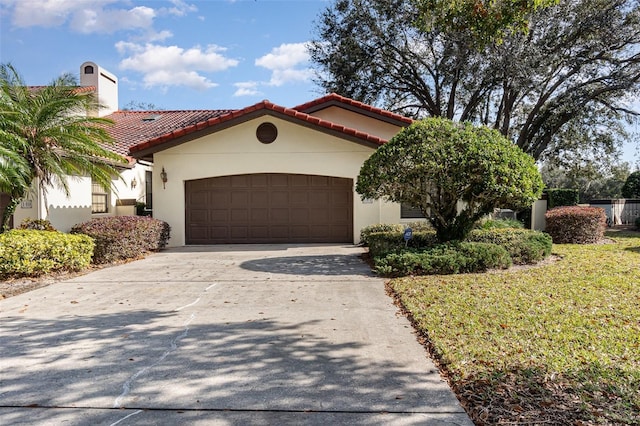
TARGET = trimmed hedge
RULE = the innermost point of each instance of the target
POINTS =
(382, 243)
(124, 237)
(557, 197)
(451, 258)
(524, 246)
(378, 228)
(499, 223)
(576, 225)
(32, 253)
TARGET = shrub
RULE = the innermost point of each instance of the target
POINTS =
(382, 243)
(557, 197)
(499, 223)
(524, 246)
(33, 253)
(380, 227)
(452, 258)
(124, 237)
(37, 225)
(576, 225)
(637, 222)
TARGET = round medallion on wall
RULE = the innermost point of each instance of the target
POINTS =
(267, 132)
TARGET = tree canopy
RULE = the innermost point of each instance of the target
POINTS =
(631, 187)
(576, 65)
(46, 136)
(435, 163)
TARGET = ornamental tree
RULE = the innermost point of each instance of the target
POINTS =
(455, 173)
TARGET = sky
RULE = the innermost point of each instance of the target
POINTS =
(172, 54)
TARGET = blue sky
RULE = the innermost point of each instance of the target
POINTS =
(175, 54)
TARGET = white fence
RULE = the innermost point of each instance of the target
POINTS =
(619, 212)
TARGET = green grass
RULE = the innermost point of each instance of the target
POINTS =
(558, 343)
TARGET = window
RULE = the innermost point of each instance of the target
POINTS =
(148, 190)
(88, 69)
(99, 198)
(409, 212)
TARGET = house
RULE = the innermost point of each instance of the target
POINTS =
(261, 174)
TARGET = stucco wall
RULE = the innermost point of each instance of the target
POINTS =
(236, 150)
(354, 120)
(64, 212)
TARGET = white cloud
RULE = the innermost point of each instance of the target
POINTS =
(94, 16)
(247, 88)
(109, 21)
(172, 65)
(288, 63)
(180, 8)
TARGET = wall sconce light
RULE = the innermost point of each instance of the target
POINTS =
(163, 176)
(134, 183)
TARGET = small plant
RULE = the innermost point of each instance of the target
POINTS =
(124, 237)
(37, 225)
(32, 252)
(576, 225)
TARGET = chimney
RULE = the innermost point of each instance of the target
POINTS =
(106, 86)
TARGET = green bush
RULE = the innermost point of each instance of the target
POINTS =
(524, 246)
(33, 253)
(382, 243)
(37, 225)
(451, 258)
(124, 237)
(499, 223)
(576, 225)
(557, 197)
(378, 228)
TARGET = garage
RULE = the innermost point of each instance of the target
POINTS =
(269, 208)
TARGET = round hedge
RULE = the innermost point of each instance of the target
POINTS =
(576, 225)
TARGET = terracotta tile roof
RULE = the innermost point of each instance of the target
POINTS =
(79, 89)
(154, 144)
(136, 127)
(334, 98)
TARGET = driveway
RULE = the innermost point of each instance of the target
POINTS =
(260, 335)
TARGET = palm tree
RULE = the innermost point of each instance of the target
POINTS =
(46, 136)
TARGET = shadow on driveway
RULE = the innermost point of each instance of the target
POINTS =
(323, 265)
(136, 361)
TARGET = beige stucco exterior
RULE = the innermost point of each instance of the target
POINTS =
(64, 212)
(235, 150)
(353, 120)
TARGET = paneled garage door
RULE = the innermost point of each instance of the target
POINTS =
(269, 208)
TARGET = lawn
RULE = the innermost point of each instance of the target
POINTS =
(552, 344)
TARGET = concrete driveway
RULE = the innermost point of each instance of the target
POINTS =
(255, 335)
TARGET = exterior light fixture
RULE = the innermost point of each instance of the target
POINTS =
(163, 176)
(134, 183)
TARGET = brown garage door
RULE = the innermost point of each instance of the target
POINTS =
(269, 208)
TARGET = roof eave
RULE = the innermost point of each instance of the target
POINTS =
(229, 120)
